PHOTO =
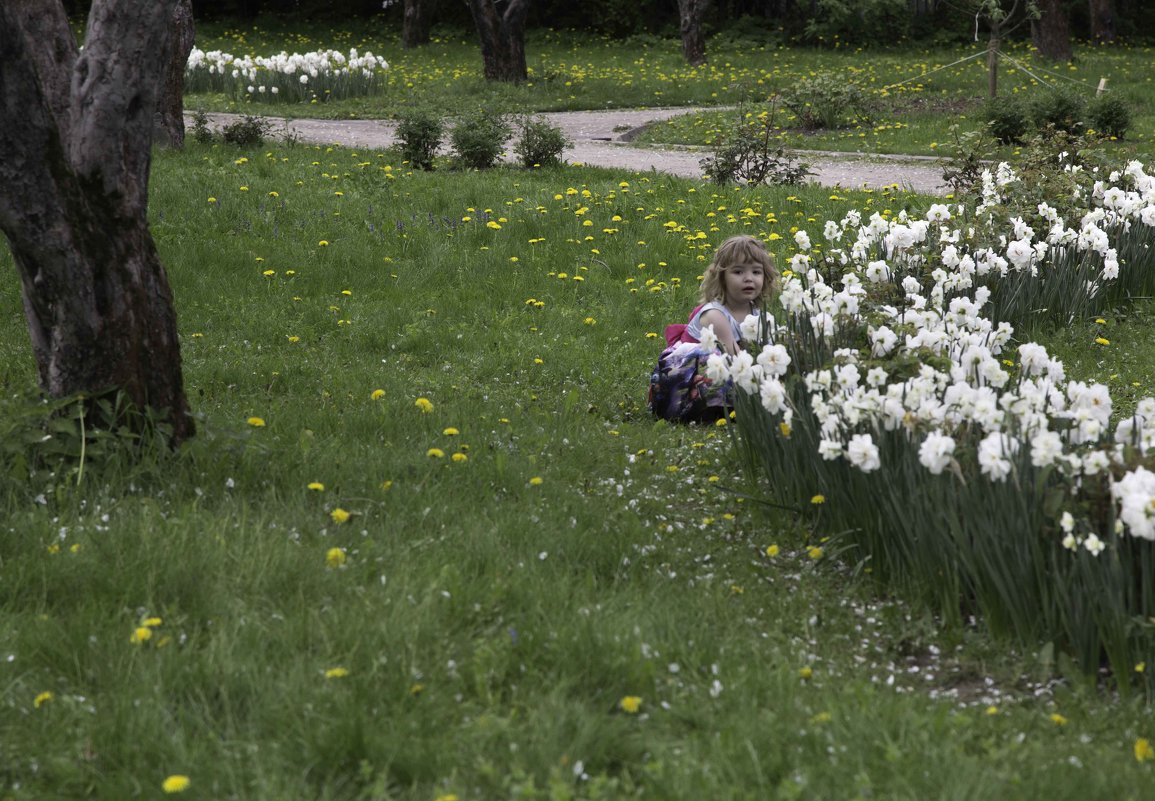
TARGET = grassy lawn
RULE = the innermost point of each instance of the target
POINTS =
(428, 544)
(919, 93)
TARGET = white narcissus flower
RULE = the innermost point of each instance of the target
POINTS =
(1093, 544)
(774, 360)
(936, 452)
(1046, 447)
(718, 368)
(863, 453)
(773, 395)
(1067, 522)
(1135, 493)
(830, 449)
(749, 327)
(995, 451)
(743, 371)
(708, 338)
(802, 239)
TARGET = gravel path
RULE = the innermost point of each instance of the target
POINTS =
(601, 138)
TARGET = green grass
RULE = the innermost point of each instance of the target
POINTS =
(489, 624)
(920, 92)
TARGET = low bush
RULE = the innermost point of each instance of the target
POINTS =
(1061, 109)
(246, 131)
(479, 139)
(1109, 115)
(826, 100)
(1007, 119)
(419, 134)
(541, 144)
(748, 152)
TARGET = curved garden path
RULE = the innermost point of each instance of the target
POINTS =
(601, 138)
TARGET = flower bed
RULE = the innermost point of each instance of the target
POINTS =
(957, 462)
(286, 77)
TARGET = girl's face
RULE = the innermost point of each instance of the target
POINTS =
(743, 283)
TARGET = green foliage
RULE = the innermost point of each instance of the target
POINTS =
(966, 161)
(478, 139)
(246, 131)
(750, 153)
(419, 134)
(1061, 109)
(826, 100)
(540, 143)
(858, 21)
(1007, 119)
(200, 131)
(1109, 115)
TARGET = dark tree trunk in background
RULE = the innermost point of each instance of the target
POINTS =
(502, 38)
(1051, 32)
(168, 128)
(691, 13)
(416, 23)
(75, 149)
(1103, 20)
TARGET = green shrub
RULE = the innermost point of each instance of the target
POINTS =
(746, 152)
(826, 100)
(1061, 109)
(541, 144)
(419, 134)
(1109, 115)
(479, 139)
(200, 131)
(1007, 119)
(248, 130)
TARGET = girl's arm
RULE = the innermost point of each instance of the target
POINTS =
(722, 330)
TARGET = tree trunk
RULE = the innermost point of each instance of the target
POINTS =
(415, 23)
(691, 13)
(168, 128)
(1051, 33)
(1103, 20)
(502, 39)
(75, 150)
(993, 65)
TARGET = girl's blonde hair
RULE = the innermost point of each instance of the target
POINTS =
(741, 249)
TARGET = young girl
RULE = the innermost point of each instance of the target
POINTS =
(733, 287)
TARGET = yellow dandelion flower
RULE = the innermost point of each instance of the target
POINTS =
(256, 422)
(818, 499)
(316, 486)
(435, 453)
(814, 552)
(377, 394)
(339, 515)
(631, 704)
(42, 699)
(416, 689)
(451, 432)
(151, 622)
(387, 485)
(175, 783)
(1102, 341)
(784, 429)
(324, 243)
(141, 634)
(424, 404)
(1058, 719)
(1143, 750)
(536, 481)
(335, 557)
(772, 551)
(806, 672)
(336, 673)
(459, 457)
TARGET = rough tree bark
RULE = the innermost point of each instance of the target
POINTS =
(168, 122)
(691, 13)
(415, 23)
(1051, 32)
(1103, 20)
(502, 38)
(75, 136)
